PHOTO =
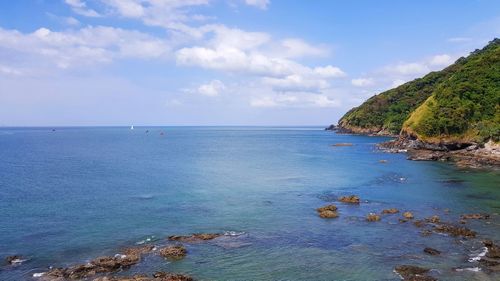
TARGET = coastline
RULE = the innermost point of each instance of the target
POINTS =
(471, 155)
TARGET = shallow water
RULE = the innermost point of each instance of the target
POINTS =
(70, 195)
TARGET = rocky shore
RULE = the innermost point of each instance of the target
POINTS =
(465, 155)
(104, 268)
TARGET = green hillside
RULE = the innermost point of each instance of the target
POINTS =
(460, 102)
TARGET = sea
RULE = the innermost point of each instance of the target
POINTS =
(71, 194)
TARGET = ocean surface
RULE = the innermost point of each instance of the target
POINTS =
(73, 194)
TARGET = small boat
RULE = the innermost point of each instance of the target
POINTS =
(131, 127)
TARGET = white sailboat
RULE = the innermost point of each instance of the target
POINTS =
(132, 127)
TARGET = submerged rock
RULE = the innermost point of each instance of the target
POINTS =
(343, 144)
(327, 214)
(433, 219)
(425, 233)
(431, 251)
(408, 215)
(455, 230)
(173, 252)
(491, 259)
(475, 216)
(158, 276)
(353, 199)
(196, 237)
(413, 273)
(390, 211)
(106, 264)
(327, 208)
(372, 217)
(493, 249)
(14, 259)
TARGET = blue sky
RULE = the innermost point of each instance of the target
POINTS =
(221, 62)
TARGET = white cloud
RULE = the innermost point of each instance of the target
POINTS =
(298, 100)
(297, 48)
(362, 82)
(261, 4)
(441, 60)
(85, 46)
(9, 70)
(408, 68)
(211, 89)
(251, 53)
(296, 83)
(329, 71)
(80, 7)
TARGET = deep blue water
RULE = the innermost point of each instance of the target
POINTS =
(70, 195)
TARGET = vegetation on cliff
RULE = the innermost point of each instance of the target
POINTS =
(460, 102)
(466, 106)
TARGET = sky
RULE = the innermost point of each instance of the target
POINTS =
(222, 62)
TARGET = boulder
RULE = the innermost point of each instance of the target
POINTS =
(408, 215)
(173, 252)
(390, 211)
(196, 237)
(433, 219)
(455, 230)
(105, 264)
(158, 276)
(327, 214)
(14, 259)
(332, 208)
(372, 217)
(475, 216)
(343, 144)
(413, 273)
(353, 199)
(431, 251)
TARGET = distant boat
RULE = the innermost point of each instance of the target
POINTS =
(131, 127)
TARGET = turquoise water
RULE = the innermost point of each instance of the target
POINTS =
(69, 195)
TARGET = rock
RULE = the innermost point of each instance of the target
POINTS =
(327, 214)
(331, 128)
(343, 144)
(137, 251)
(353, 199)
(390, 211)
(408, 215)
(493, 249)
(158, 276)
(327, 208)
(413, 273)
(106, 264)
(455, 230)
(419, 223)
(196, 237)
(425, 232)
(403, 220)
(475, 216)
(427, 155)
(433, 219)
(173, 252)
(372, 217)
(14, 259)
(165, 276)
(431, 251)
